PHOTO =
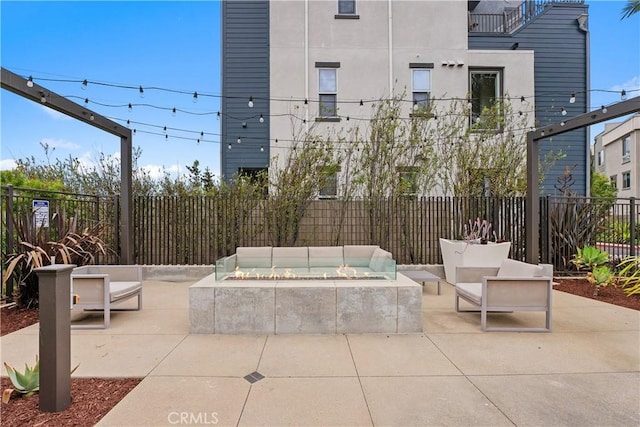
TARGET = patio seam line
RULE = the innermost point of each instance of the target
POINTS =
(474, 385)
(246, 399)
(444, 354)
(364, 395)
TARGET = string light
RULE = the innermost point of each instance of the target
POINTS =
(238, 140)
(361, 103)
(43, 98)
(261, 119)
(623, 95)
(173, 112)
(250, 102)
(562, 123)
(130, 107)
(305, 101)
(572, 99)
(522, 98)
(91, 117)
(86, 100)
(195, 97)
(604, 109)
(262, 148)
(166, 137)
(84, 84)
(141, 92)
(30, 81)
(563, 111)
(229, 146)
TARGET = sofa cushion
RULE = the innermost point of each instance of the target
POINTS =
(254, 257)
(358, 255)
(379, 259)
(472, 291)
(326, 256)
(119, 290)
(513, 268)
(291, 257)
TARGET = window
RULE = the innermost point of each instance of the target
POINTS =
(328, 185)
(421, 89)
(347, 7)
(600, 157)
(614, 180)
(626, 149)
(626, 180)
(408, 180)
(328, 92)
(485, 88)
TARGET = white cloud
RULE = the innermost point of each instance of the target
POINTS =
(7, 164)
(56, 115)
(631, 84)
(60, 143)
(156, 171)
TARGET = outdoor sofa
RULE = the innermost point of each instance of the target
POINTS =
(514, 286)
(98, 287)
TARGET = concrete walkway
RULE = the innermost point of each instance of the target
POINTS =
(585, 373)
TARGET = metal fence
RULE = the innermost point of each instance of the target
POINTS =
(199, 230)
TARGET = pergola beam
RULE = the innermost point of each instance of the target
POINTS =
(36, 93)
(532, 216)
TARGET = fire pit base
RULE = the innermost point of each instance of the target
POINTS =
(305, 306)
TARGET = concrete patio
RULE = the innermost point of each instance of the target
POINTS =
(586, 372)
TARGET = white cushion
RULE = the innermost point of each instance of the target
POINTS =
(358, 255)
(472, 291)
(118, 290)
(254, 257)
(513, 268)
(291, 257)
(325, 256)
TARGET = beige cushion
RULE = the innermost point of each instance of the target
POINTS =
(472, 291)
(358, 255)
(118, 290)
(513, 268)
(291, 257)
(378, 259)
(254, 257)
(325, 256)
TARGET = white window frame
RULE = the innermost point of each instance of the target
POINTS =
(600, 157)
(423, 104)
(322, 93)
(477, 102)
(322, 192)
(626, 149)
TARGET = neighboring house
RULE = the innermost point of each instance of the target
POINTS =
(316, 59)
(616, 155)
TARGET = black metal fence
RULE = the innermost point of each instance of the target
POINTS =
(199, 230)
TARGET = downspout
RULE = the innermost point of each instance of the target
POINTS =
(390, 13)
(306, 63)
(584, 26)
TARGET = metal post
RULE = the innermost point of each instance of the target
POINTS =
(55, 336)
(632, 226)
(9, 232)
(532, 216)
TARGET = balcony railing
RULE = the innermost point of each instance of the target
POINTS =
(510, 19)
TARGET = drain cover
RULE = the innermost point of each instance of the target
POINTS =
(254, 377)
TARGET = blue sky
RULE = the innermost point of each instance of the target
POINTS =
(176, 45)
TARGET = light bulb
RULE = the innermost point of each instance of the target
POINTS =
(130, 107)
(361, 103)
(198, 141)
(522, 99)
(563, 111)
(202, 134)
(623, 95)
(134, 131)
(262, 148)
(415, 106)
(195, 97)
(173, 112)
(250, 102)
(347, 118)
(238, 140)
(164, 129)
(84, 84)
(261, 119)
(30, 82)
(86, 100)
(604, 109)
(276, 140)
(141, 91)
(305, 101)
(128, 122)
(43, 98)
(562, 123)
(229, 146)
(91, 117)
(166, 137)
(572, 99)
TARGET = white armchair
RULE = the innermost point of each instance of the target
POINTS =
(514, 286)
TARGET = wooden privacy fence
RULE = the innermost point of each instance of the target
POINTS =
(198, 230)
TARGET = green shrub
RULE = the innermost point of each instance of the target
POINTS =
(590, 257)
(630, 273)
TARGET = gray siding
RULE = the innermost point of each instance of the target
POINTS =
(245, 73)
(561, 67)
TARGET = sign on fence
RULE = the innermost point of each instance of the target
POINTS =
(40, 213)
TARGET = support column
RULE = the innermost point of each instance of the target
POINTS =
(55, 336)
